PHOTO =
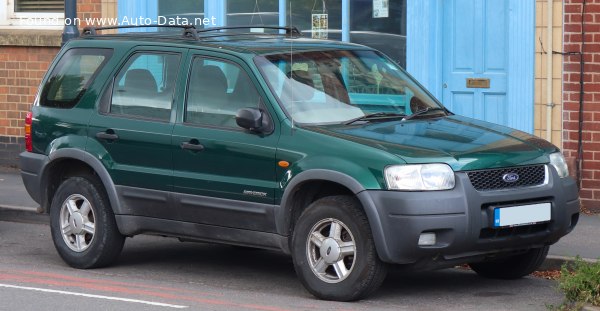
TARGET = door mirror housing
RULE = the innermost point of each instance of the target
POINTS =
(253, 119)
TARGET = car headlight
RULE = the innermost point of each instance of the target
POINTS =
(558, 161)
(419, 177)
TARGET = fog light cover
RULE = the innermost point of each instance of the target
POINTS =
(427, 239)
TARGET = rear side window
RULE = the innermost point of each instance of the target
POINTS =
(71, 77)
(144, 87)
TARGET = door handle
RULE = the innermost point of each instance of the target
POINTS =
(108, 135)
(193, 145)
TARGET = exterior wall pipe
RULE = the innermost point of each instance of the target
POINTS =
(282, 14)
(549, 71)
(346, 20)
(218, 9)
(70, 30)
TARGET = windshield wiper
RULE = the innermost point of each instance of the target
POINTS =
(375, 116)
(424, 111)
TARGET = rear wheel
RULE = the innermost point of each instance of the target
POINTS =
(83, 226)
(512, 267)
(333, 250)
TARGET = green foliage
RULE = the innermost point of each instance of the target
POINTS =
(580, 281)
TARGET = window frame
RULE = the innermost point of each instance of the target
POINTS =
(261, 104)
(9, 17)
(104, 108)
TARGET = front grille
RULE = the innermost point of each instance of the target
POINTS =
(486, 180)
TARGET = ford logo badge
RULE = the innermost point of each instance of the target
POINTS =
(510, 177)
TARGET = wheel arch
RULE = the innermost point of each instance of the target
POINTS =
(297, 196)
(71, 162)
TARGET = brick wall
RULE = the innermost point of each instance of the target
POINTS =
(23, 61)
(590, 186)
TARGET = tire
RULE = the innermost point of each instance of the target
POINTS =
(512, 267)
(90, 238)
(320, 268)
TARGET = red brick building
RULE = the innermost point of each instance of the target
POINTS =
(25, 54)
(582, 43)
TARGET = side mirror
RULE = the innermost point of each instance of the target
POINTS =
(250, 119)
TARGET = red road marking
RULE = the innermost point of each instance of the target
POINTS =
(125, 290)
(95, 281)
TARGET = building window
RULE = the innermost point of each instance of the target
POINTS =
(191, 10)
(260, 12)
(56, 6)
(32, 14)
(387, 34)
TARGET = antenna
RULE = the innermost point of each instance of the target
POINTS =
(292, 70)
(255, 10)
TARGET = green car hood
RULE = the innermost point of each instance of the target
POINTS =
(463, 143)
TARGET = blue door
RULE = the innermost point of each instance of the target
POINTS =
(487, 60)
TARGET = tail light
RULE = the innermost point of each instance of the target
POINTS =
(28, 141)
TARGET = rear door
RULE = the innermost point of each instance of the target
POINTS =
(134, 125)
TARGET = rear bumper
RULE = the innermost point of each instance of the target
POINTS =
(462, 219)
(31, 165)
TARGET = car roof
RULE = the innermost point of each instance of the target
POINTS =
(244, 43)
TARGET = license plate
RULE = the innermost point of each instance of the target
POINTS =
(521, 215)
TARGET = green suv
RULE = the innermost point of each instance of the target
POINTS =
(327, 151)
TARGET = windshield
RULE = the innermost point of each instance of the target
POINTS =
(327, 87)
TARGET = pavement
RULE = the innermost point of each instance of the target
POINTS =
(584, 241)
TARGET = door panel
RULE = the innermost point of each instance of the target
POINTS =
(233, 164)
(475, 47)
(134, 126)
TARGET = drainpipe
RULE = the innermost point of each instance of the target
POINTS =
(346, 20)
(549, 73)
(282, 14)
(70, 31)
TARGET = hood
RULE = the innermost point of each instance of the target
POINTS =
(463, 143)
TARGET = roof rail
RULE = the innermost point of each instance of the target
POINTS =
(188, 30)
(289, 30)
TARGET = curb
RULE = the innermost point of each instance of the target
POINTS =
(23, 214)
(554, 262)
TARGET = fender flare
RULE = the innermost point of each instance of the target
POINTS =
(94, 163)
(283, 215)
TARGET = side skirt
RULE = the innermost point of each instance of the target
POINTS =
(134, 225)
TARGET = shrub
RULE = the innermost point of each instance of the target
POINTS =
(580, 281)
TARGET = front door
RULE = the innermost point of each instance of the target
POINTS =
(224, 174)
(477, 43)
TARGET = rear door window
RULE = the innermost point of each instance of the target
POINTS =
(144, 87)
(71, 77)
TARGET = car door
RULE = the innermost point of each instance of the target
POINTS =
(134, 124)
(224, 175)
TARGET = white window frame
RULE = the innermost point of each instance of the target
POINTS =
(24, 20)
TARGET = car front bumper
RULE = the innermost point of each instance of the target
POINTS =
(462, 219)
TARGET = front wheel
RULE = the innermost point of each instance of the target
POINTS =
(333, 250)
(83, 226)
(512, 267)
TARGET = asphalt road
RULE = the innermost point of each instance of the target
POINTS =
(155, 273)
